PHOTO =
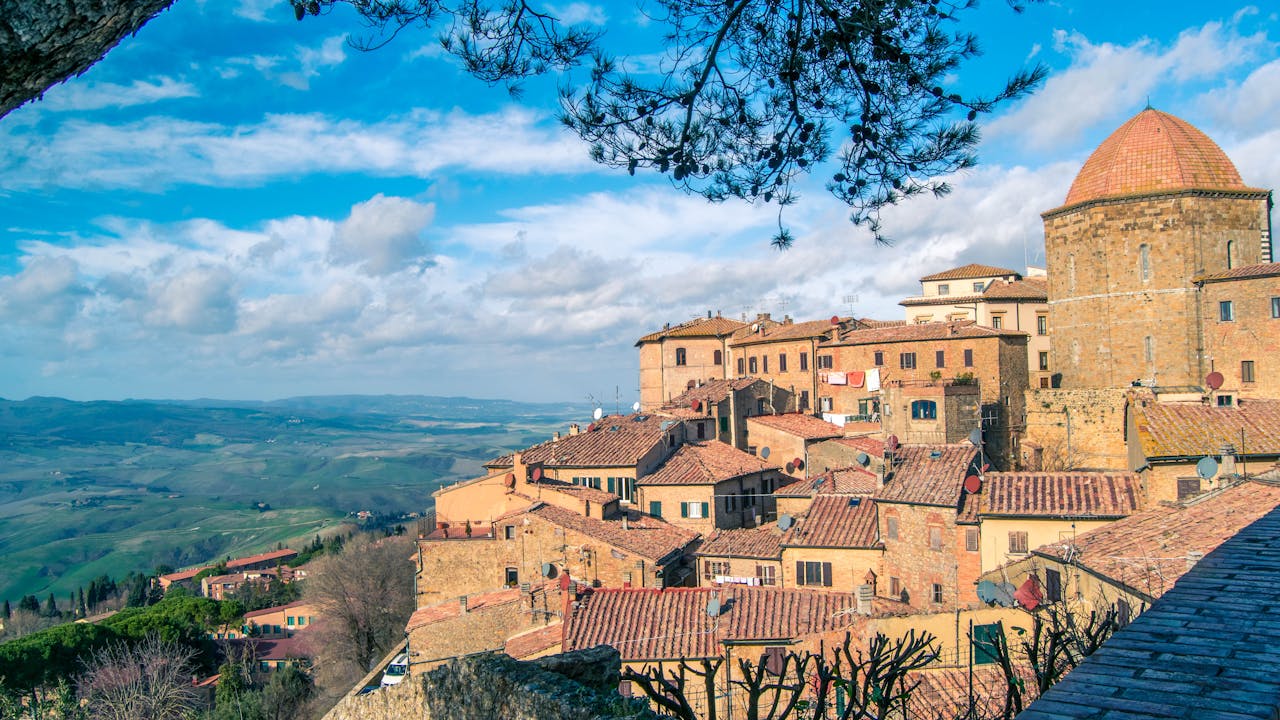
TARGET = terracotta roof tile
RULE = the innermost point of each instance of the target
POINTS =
(475, 603)
(582, 492)
(921, 300)
(972, 270)
(960, 329)
(614, 441)
(944, 692)
(836, 521)
(645, 536)
(840, 481)
(650, 624)
(698, 327)
(784, 331)
(799, 425)
(1242, 273)
(929, 474)
(762, 543)
(1024, 289)
(1154, 152)
(1059, 494)
(704, 464)
(534, 641)
(1181, 430)
(873, 446)
(1148, 551)
(712, 391)
(281, 555)
(276, 609)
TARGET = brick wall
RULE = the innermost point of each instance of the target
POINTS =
(1253, 336)
(1075, 429)
(783, 446)
(1122, 305)
(912, 560)
(849, 566)
(768, 359)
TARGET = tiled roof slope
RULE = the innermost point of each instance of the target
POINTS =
(1147, 551)
(762, 543)
(919, 300)
(279, 555)
(1024, 289)
(645, 536)
(615, 441)
(1059, 494)
(920, 478)
(972, 270)
(712, 391)
(475, 603)
(582, 492)
(651, 624)
(534, 641)
(276, 609)
(1206, 650)
(704, 464)
(835, 521)
(960, 329)
(944, 692)
(800, 425)
(1242, 273)
(784, 331)
(699, 327)
(1154, 152)
(842, 481)
(873, 446)
(1182, 430)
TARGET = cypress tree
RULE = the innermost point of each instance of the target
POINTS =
(51, 606)
(8, 612)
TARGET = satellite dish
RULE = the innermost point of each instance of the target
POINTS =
(835, 319)
(973, 484)
(599, 413)
(1214, 380)
(785, 521)
(713, 607)
(697, 406)
(1207, 467)
(975, 437)
(537, 473)
(892, 443)
(635, 406)
(790, 468)
(764, 452)
(987, 591)
(548, 570)
(863, 459)
(798, 463)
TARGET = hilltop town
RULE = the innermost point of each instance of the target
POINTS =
(1077, 436)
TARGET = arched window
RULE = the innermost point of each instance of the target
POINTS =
(1149, 349)
(1144, 262)
(924, 410)
(1231, 246)
(718, 358)
(681, 359)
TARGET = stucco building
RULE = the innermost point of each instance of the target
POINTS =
(679, 357)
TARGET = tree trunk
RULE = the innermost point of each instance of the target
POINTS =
(43, 42)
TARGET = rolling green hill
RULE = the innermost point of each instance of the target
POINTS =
(88, 488)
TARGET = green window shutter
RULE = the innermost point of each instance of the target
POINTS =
(724, 424)
(684, 509)
(612, 486)
(706, 510)
(799, 572)
(655, 509)
(986, 639)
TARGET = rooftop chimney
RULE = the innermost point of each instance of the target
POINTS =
(574, 429)
(555, 435)
(865, 595)
(1193, 557)
(462, 604)
(708, 314)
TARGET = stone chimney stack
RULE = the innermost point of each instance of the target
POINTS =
(1228, 465)
(865, 595)
(555, 436)
(574, 429)
(462, 604)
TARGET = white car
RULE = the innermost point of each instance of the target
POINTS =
(396, 671)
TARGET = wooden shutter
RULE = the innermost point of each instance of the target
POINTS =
(706, 510)
(684, 509)
(799, 572)
(826, 574)
(612, 485)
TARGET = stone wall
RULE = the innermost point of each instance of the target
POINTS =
(1253, 335)
(914, 562)
(1075, 429)
(483, 628)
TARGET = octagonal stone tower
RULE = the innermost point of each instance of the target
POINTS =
(1155, 206)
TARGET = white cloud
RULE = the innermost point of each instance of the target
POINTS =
(200, 300)
(160, 152)
(1106, 81)
(48, 291)
(296, 71)
(257, 10)
(382, 235)
(79, 96)
(1250, 105)
(574, 13)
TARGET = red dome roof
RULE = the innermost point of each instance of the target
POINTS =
(1154, 152)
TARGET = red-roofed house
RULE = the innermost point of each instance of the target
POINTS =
(785, 354)
(282, 620)
(747, 556)
(834, 546)
(718, 410)
(784, 439)
(704, 486)
(1240, 310)
(674, 359)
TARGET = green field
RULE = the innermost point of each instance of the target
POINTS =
(93, 488)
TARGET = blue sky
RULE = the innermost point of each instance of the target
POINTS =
(238, 205)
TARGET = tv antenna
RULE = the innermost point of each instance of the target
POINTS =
(851, 300)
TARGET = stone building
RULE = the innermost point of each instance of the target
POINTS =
(747, 556)
(705, 486)
(784, 354)
(783, 440)
(677, 358)
(1157, 205)
(834, 545)
(718, 409)
(992, 297)
(1240, 314)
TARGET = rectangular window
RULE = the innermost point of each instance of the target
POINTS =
(924, 410)
(681, 357)
(288, 620)
(1188, 488)
(1226, 311)
(804, 400)
(1018, 542)
(724, 424)
(1275, 307)
(702, 435)
(971, 539)
(935, 538)
(804, 361)
(940, 358)
(509, 532)
(824, 404)
(767, 574)
(712, 568)
(968, 358)
(937, 593)
(1053, 585)
(1044, 361)
(944, 289)
(813, 573)
(741, 367)
(765, 364)
(512, 577)
(891, 528)
(1225, 401)
(879, 358)
(907, 361)
(979, 286)
(751, 366)
(1042, 325)
(655, 508)
(997, 321)
(824, 362)
(1246, 371)
(895, 587)
(695, 510)
(782, 362)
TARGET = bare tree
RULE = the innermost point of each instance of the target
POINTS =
(364, 596)
(149, 680)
